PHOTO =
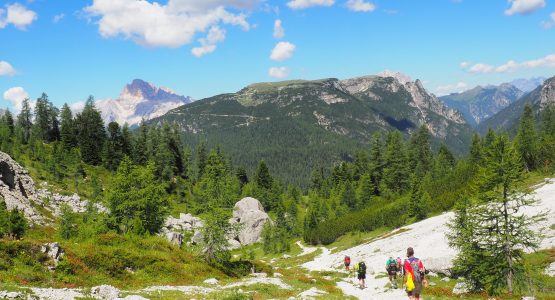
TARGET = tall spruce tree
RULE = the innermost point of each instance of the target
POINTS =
(420, 153)
(24, 122)
(91, 133)
(527, 138)
(140, 148)
(262, 176)
(68, 130)
(490, 231)
(113, 147)
(395, 173)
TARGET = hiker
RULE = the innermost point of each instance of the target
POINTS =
(347, 262)
(415, 275)
(399, 264)
(391, 268)
(360, 268)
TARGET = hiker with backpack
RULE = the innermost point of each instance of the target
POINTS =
(360, 269)
(391, 268)
(415, 275)
(347, 262)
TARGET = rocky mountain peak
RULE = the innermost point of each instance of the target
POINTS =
(402, 78)
(547, 95)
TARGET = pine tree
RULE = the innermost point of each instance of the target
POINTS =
(113, 147)
(376, 160)
(241, 174)
(395, 174)
(365, 190)
(8, 117)
(91, 133)
(24, 123)
(215, 235)
(137, 201)
(68, 131)
(262, 176)
(42, 118)
(476, 150)
(127, 140)
(140, 148)
(201, 159)
(495, 230)
(526, 139)
(420, 153)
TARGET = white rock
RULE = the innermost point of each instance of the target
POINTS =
(175, 238)
(212, 281)
(249, 213)
(105, 292)
(460, 288)
(278, 275)
(12, 295)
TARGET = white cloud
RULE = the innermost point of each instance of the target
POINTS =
(524, 7)
(278, 72)
(165, 25)
(17, 15)
(58, 18)
(15, 96)
(6, 69)
(302, 4)
(360, 6)
(464, 64)
(77, 107)
(511, 65)
(550, 23)
(282, 51)
(451, 88)
(208, 44)
(279, 32)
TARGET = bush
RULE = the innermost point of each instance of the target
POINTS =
(390, 215)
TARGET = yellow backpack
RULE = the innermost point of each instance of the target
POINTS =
(410, 282)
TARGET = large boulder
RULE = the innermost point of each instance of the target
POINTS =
(175, 238)
(105, 292)
(53, 251)
(249, 214)
(18, 189)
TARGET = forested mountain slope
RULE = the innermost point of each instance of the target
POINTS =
(296, 126)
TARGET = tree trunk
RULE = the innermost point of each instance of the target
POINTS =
(508, 254)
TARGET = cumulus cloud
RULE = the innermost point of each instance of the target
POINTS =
(360, 6)
(511, 65)
(278, 72)
(15, 96)
(451, 88)
(550, 23)
(524, 7)
(279, 32)
(172, 25)
(6, 69)
(282, 51)
(302, 4)
(208, 44)
(17, 15)
(58, 18)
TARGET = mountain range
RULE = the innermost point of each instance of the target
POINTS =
(140, 100)
(298, 125)
(508, 118)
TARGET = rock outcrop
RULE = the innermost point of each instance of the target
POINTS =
(18, 189)
(105, 292)
(53, 251)
(174, 228)
(249, 214)
(54, 201)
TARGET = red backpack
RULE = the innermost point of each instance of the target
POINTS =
(347, 260)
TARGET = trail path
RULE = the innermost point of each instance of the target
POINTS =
(430, 244)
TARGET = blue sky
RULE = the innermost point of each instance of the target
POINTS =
(71, 49)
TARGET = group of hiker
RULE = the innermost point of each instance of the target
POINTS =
(412, 270)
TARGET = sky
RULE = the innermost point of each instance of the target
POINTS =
(71, 49)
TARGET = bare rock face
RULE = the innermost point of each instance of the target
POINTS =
(53, 251)
(18, 189)
(105, 292)
(250, 214)
(175, 238)
(174, 227)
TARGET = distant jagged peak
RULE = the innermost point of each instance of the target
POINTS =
(140, 89)
(401, 77)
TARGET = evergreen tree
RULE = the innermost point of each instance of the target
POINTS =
(495, 230)
(127, 140)
(68, 223)
(68, 130)
(24, 123)
(420, 153)
(241, 174)
(113, 147)
(8, 117)
(91, 133)
(365, 190)
(215, 235)
(376, 160)
(262, 176)
(42, 118)
(526, 138)
(201, 159)
(476, 149)
(140, 148)
(395, 174)
(136, 199)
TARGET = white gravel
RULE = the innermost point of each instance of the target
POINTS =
(429, 241)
